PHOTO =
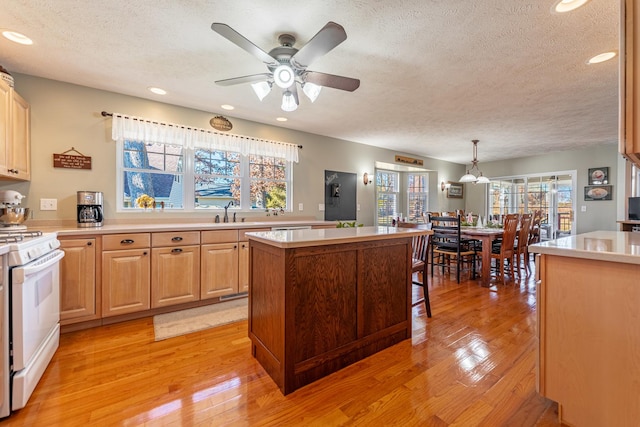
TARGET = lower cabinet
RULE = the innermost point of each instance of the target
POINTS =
(126, 285)
(175, 274)
(219, 270)
(78, 301)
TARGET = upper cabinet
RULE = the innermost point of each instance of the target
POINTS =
(14, 135)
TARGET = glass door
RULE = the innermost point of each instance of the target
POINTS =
(554, 195)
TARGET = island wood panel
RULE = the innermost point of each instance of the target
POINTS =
(315, 310)
(589, 340)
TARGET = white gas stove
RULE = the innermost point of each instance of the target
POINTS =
(27, 245)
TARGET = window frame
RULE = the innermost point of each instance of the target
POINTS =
(188, 190)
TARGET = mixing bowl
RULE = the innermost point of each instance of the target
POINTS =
(13, 215)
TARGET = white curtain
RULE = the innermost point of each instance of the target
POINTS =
(137, 129)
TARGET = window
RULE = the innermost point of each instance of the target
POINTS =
(217, 178)
(387, 191)
(191, 169)
(417, 196)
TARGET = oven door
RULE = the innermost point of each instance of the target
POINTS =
(35, 303)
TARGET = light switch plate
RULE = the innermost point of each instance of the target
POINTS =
(48, 204)
(583, 208)
(300, 207)
(321, 207)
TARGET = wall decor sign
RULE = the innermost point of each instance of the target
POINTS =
(409, 160)
(221, 123)
(70, 161)
(455, 190)
(598, 192)
(598, 176)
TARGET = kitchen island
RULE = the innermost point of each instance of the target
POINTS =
(320, 300)
(588, 300)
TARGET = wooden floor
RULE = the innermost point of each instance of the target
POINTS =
(471, 364)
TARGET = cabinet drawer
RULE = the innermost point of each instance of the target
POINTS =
(219, 236)
(175, 238)
(112, 242)
(242, 233)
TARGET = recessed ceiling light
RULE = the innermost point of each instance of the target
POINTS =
(17, 37)
(157, 90)
(227, 107)
(562, 6)
(601, 58)
(281, 119)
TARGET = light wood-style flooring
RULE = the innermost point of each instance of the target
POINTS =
(472, 364)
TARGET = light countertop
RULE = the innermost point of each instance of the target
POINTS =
(329, 236)
(175, 226)
(613, 246)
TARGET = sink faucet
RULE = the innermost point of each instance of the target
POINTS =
(226, 215)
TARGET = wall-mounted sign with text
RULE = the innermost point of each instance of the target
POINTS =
(409, 160)
(70, 161)
(221, 123)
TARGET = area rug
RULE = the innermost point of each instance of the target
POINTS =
(183, 322)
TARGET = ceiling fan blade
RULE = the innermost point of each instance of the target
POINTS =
(330, 36)
(238, 39)
(331, 80)
(244, 79)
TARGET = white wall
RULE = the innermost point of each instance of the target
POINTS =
(65, 116)
(599, 215)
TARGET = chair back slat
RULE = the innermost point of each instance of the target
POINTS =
(524, 231)
(510, 227)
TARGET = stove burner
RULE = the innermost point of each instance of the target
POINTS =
(17, 236)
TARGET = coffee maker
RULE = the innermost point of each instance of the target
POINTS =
(90, 209)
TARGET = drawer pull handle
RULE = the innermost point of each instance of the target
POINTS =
(126, 241)
(176, 250)
(177, 239)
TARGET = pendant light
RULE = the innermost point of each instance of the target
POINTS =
(469, 176)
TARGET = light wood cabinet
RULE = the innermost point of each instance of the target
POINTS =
(126, 264)
(629, 144)
(588, 339)
(219, 270)
(78, 300)
(14, 135)
(175, 261)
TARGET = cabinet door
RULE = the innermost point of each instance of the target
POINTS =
(175, 275)
(243, 267)
(78, 281)
(125, 281)
(19, 160)
(5, 126)
(219, 272)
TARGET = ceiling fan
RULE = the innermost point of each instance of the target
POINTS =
(288, 65)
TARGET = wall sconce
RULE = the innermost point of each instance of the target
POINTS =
(444, 186)
(365, 178)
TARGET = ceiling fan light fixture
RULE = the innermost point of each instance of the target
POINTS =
(261, 89)
(288, 102)
(312, 90)
(284, 76)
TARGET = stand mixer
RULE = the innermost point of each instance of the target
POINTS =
(11, 214)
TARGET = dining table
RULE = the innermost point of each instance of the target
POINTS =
(487, 236)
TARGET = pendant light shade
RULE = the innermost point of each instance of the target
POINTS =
(469, 176)
(288, 102)
(261, 89)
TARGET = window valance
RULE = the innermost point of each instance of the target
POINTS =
(138, 129)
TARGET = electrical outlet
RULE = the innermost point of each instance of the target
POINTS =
(48, 204)
(321, 206)
(583, 208)
(300, 207)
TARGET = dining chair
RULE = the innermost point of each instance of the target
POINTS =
(504, 252)
(420, 251)
(534, 233)
(522, 243)
(448, 249)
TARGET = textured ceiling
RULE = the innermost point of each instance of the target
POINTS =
(434, 74)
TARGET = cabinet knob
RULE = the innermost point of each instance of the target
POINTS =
(89, 243)
(144, 253)
(177, 239)
(126, 241)
(176, 250)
